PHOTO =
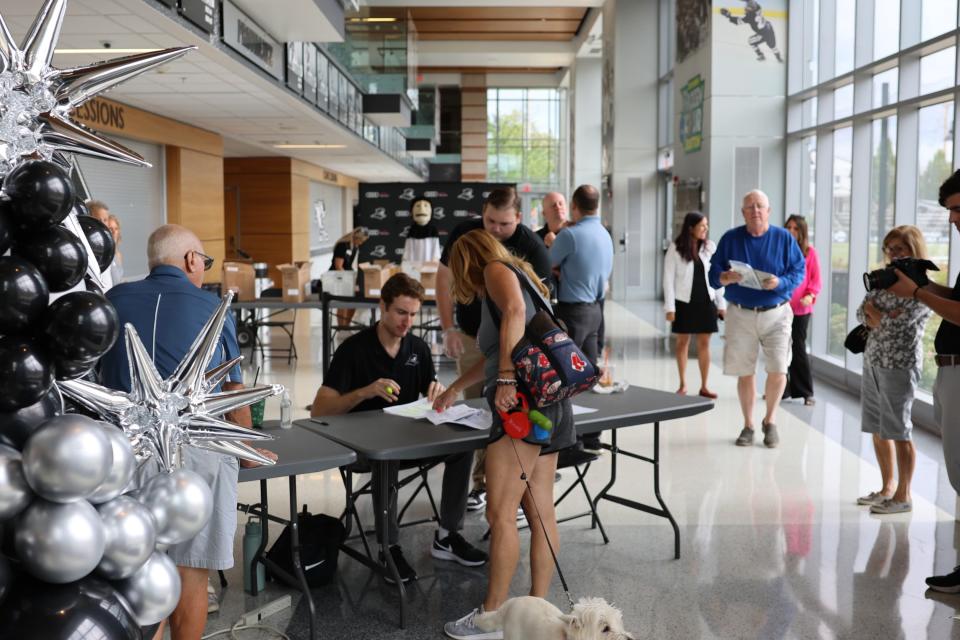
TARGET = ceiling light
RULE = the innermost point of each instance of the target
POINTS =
(373, 19)
(309, 146)
(103, 50)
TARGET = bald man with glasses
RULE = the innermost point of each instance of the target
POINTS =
(169, 309)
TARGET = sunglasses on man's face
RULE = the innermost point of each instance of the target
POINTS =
(207, 260)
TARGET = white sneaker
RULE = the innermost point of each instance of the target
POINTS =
(213, 603)
(466, 629)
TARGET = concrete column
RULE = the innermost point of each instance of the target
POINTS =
(585, 126)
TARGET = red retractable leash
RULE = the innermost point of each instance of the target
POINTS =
(518, 424)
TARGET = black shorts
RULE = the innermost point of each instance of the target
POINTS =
(562, 435)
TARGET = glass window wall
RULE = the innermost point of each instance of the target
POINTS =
(840, 238)
(886, 28)
(883, 174)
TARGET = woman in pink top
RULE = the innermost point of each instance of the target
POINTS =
(799, 379)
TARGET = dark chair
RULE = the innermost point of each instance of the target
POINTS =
(580, 461)
(419, 470)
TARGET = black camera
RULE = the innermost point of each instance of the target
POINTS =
(914, 268)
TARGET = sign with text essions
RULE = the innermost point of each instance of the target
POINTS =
(384, 209)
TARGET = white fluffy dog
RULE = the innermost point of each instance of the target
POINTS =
(529, 618)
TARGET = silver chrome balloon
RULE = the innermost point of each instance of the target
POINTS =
(181, 503)
(121, 471)
(152, 591)
(38, 99)
(67, 458)
(15, 493)
(130, 537)
(161, 416)
(59, 543)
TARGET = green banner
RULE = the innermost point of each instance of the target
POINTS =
(691, 114)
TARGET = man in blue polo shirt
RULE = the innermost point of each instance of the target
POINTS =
(758, 317)
(168, 309)
(583, 254)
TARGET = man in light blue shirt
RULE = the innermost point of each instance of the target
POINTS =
(583, 252)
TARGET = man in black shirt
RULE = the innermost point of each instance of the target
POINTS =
(385, 365)
(945, 302)
(501, 219)
(554, 217)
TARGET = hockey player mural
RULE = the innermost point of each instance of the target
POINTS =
(763, 32)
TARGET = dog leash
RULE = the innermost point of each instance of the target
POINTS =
(546, 536)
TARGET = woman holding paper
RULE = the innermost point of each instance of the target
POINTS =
(691, 305)
(482, 268)
(799, 378)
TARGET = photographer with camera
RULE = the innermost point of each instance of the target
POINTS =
(891, 369)
(945, 302)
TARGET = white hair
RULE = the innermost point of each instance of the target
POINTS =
(169, 244)
(756, 192)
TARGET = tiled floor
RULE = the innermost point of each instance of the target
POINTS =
(773, 544)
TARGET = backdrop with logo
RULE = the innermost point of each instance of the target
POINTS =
(384, 209)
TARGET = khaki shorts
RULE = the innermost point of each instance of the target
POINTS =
(749, 331)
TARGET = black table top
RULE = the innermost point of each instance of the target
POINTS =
(276, 303)
(636, 405)
(376, 435)
(300, 451)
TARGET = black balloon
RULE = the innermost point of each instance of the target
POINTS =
(17, 426)
(73, 369)
(26, 372)
(81, 326)
(23, 295)
(6, 229)
(89, 608)
(40, 193)
(6, 577)
(58, 254)
(100, 239)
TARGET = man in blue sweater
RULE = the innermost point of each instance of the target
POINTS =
(757, 318)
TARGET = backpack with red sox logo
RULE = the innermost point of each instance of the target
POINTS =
(550, 366)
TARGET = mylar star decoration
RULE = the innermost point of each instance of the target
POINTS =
(160, 416)
(36, 99)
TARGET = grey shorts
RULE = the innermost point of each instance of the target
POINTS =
(886, 397)
(563, 434)
(212, 548)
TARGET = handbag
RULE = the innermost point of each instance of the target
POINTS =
(550, 367)
(856, 340)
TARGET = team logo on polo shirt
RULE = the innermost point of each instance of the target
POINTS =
(412, 361)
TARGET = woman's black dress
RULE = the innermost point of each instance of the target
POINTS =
(700, 314)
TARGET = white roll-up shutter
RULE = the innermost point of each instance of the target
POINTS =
(136, 195)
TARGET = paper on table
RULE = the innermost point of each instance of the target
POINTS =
(578, 410)
(457, 414)
(752, 278)
(416, 410)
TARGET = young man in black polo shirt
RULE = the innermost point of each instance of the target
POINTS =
(501, 219)
(945, 302)
(385, 365)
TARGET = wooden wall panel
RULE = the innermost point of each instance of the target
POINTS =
(470, 98)
(300, 205)
(478, 154)
(195, 197)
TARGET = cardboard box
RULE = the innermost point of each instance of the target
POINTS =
(295, 278)
(428, 278)
(339, 283)
(375, 276)
(239, 278)
(425, 273)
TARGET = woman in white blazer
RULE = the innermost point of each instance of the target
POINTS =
(692, 306)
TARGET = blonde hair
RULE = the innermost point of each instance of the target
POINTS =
(474, 251)
(910, 236)
(358, 236)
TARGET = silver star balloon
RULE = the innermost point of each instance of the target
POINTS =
(36, 99)
(162, 415)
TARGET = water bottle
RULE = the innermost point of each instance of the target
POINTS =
(286, 411)
(252, 536)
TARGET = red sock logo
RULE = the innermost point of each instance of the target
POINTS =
(577, 362)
